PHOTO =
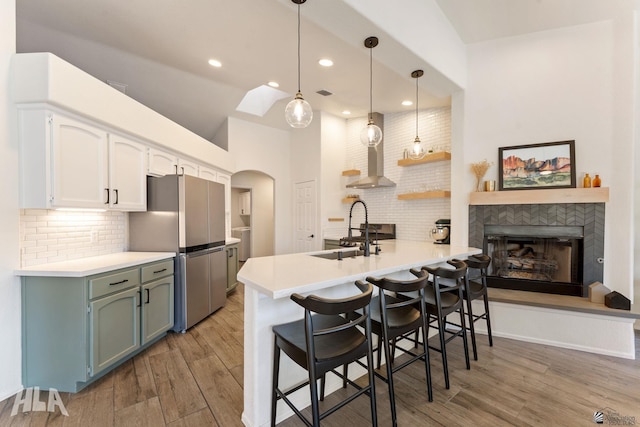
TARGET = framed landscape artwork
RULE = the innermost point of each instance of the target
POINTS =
(537, 166)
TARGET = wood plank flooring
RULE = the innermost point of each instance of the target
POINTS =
(195, 379)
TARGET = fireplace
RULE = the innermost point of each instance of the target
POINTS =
(554, 248)
(535, 258)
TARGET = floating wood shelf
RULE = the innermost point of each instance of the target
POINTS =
(351, 172)
(433, 157)
(536, 197)
(438, 194)
(350, 199)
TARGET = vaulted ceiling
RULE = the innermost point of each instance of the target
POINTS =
(159, 49)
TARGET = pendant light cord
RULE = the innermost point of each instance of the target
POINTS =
(298, 47)
(370, 84)
(416, 108)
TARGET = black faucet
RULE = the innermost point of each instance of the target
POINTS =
(366, 226)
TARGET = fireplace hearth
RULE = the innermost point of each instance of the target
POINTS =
(551, 248)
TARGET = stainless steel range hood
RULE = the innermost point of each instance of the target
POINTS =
(375, 173)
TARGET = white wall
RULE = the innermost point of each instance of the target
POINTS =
(10, 367)
(334, 160)
(260, 148)
(553, 86)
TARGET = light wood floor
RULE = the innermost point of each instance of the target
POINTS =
(195, 379)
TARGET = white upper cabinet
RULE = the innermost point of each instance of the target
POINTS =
(127, 178)
(207, 173)
(186, 167)
(244, 201)
(162, 163)
(69, 163)
(63, 161)
(79, 164)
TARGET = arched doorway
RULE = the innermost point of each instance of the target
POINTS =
(260, 219)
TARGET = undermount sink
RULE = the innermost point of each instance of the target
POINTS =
(340, 254)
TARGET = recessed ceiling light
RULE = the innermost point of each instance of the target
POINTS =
(407, 103)
(273, 84)
(325, 62)
(346, 112)
(215, 63)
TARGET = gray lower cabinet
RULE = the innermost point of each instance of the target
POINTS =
(76, 329)
(232, 266)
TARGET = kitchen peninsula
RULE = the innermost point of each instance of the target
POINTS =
(269, 281)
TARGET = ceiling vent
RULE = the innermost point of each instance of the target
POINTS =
(324, 92)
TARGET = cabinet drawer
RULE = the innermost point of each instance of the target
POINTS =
(103, 285)
(155, 271)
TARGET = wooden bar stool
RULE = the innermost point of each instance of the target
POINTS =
(395, 318)
(323, 341)
(442, 300)
(476, 287)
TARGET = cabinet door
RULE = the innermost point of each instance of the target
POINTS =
(162, 163)
(114, 329)
(207, 173)
(157, 308)
(186, 167)
(79, 164)
(245, 203)
(127, 174)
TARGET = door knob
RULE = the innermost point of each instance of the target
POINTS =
(311, 236)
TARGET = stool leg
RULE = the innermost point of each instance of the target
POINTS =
(392, 398)
(464, 331)
(427, 362)
(372, 377)
(313, 390)
(471, 326)
(322, 387)
(485, 297)
(443, 347)
(274, 381)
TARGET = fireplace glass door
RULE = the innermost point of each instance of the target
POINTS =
(536, 258)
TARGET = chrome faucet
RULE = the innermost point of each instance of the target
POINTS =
(366, 226)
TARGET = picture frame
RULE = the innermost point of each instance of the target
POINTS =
(537, 166)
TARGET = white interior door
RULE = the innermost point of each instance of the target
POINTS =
(306, 233)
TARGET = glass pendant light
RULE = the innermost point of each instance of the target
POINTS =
(298, 112)
(371, 135)
(417, 151)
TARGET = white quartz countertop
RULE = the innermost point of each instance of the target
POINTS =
(281, 275)
(93, 265)
(231, 240)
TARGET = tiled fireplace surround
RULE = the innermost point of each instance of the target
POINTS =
(590, 216)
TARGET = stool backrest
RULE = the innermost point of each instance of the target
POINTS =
(449, 273)
(334, 307)
(329, 306)
(479, 261)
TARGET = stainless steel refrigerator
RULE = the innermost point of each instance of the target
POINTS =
(185, 215)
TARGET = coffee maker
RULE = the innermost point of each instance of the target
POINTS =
(441, 234)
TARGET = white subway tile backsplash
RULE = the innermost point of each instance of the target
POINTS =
(413, 218)
(51, 236)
